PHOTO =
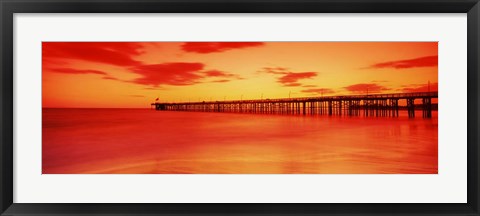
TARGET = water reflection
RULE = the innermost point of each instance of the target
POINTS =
(146, 141)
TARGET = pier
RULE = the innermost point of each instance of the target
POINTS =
(378, 105)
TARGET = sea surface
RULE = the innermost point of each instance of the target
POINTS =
(137, 141)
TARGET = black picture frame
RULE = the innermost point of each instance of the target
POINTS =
(9, 7)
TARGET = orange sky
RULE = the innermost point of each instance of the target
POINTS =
(133, 74)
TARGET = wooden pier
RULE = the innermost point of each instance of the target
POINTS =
(379, 105)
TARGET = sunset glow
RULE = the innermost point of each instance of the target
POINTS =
(134, 74)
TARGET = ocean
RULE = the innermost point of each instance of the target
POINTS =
(145, 141)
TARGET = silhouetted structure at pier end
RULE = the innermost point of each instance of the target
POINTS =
(351, 105)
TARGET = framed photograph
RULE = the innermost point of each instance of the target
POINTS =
(240, 107)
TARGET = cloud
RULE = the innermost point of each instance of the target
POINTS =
(80, 71)
(427, 61)
(56, 57)
(274, 70)
(421, 88)
(292, 84)
(379, 81)
(218, 74)
(366, 87)
(319, 91)
(288, 78)
(309, 86)
(176, 73)
(109, 78)
(212, 47)
(113, 53)
(292, 78)
(154, 88)
(221, 81)
(75, 71)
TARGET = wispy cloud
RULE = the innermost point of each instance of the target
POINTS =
(427, 61)
(113, 53)
(212, 47)
(176, 73)
(109, 78)
(288, 78)
(221, 81)
(76, 71)
(366, 87)
(220, 74)
(421, 87)
(319, 91)
(292, 78)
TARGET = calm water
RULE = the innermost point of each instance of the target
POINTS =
(149, 141)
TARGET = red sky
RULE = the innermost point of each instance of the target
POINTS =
(133, 74)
